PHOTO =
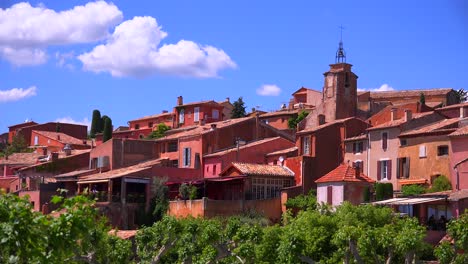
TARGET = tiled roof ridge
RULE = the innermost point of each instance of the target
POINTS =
(152, 116)
(234, 148)
(62, 140)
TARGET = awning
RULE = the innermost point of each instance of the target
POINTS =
(224, 179)
(137, 180)
(413, 181)
(92, 181)
(406, 201)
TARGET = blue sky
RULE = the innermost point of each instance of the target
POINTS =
(59, 60)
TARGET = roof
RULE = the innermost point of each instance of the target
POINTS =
(305, 89)
(30, 123)
(199, 103)
(152, 116)
(412, 181)
(409, 200)
(398, 122)
(60, 137)
(450, 195)
(463, 131)
(62, 155)
(359, 137)
(280, 113)
(317, 128)
(454, 106)
(74, 173)
(117, 173)
(344, 173)
(261, 169)
(445, 126)
(21, 158)
(248, 145)
(411, 93)
(204, 129)
(282, 151)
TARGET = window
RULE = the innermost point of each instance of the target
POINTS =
(268, 188)
(384, 170)
(329, 194)
(172, 147)
(214, 169)
(403, 142)
(181, 116)
(150, 124)
(358, 147)
(215, 114)
(306, 145)
(196, 114)
(422, 151)
(403, 168)
(442, 150)
(384, 140)
(175, 163)
(186, 157)
(36, 140)
(137, 126)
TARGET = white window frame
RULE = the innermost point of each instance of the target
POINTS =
(186, 157)
(384, 169)
(36, 140)
(422, 151)
(306, 145)
(196, 114)
(181, 116)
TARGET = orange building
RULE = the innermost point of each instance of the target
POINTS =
(197, 113)
(56, 141)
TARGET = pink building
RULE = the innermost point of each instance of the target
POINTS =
(344, 183)
(459, 158)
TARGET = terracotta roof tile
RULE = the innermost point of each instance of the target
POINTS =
(248, 145)
(344, 173)
(412, 93)
(398, 122)
(200, 130)
(261, 169)
(198, 103)
(412, 181)
(21, 159)
(61, 155)
(121, 171)
(283, 151)
(359, 137)
(280, 113)
(60, 137)
(316, 128)
(445, 126)
(454, 106)
(153, 116)
(463, 131)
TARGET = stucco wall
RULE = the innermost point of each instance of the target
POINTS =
(459, 151)
(377, 153)
(337, 193)
(353, 157)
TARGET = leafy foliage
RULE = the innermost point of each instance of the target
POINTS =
(412, 189)
(303, 202)
(293, 121)
(461, 95)
(238, 109)
(422, 98)
(440, 184)
(458, 252)
(188, 191)
(107, 132)
(383, 191)
(95, 123)
(160, 131)
(18, 145)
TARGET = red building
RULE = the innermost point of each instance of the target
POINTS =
(197, 113)
(186, 148)
(305, 98)
(25, 130)
(325, 144)
(393, 112)
(459, 157)
(251, 152)
(56, 141)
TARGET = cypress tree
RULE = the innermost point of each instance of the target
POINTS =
(422, 99)
(102, 122)
(107, 132)
(95, 123)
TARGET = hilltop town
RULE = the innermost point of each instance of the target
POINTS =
(404, 149)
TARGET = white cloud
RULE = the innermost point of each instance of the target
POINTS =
(133, 50)
(70, 120)
(27, 31)
(63, 58)
(269, 90)
(383, 88)
(16, 94)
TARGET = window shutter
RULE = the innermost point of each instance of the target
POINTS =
(408, 167)
(399, 168)
(189, 156)
(379, 170)
(389, 164)
(354, 148)
(330, 194)
(184, 157)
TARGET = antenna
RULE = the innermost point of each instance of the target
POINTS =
(340, 53)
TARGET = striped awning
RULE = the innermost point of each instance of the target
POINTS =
(406, 201)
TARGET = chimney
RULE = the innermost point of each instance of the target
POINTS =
(213, 127)
(164, 111)
(180, 100)
(44, 151)
(58, 137)
(227, 100)
(55, 156)
(393, 114)
(408, 115)
(462, 112)
(357, 171)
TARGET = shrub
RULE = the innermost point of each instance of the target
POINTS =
(413, 189)
(440, 184)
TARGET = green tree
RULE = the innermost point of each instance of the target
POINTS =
(160, 199)
(160, 131)
(303, 202)
(238, 109)
(441, 183)
(456, 253)
(95, 123)
(107, 133)
(18, 145)
(412, 189)
(422, 98)
(293, 121)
